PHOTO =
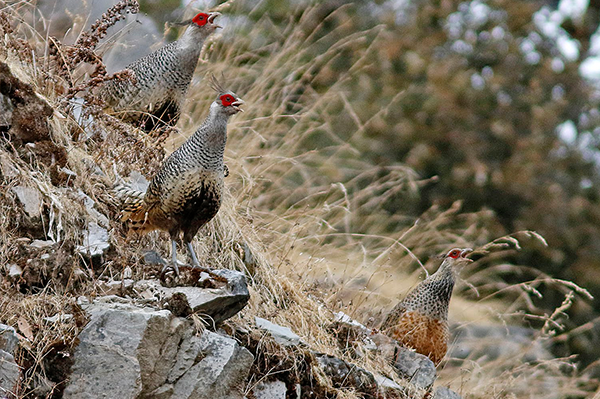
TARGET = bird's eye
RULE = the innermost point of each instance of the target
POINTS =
(201, 18)
(227, 100)
(454, 254)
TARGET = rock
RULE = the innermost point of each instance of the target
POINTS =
(6, 108)
(14, 271)
(59, 318)
(270, 390)
(217, 304)
(9, 370)
(152, 258)
(445, 393)
(8, 338)
(39, 244)
(95, 241)
(476, 341)
(210, 367)
(123, 351)
(115, 287)
(385, 383)
(31, 200)
(347, 375)
(6, 163)
(90, 207)
(282, 335)
(387, 346)
(351, 334)
(416, 368)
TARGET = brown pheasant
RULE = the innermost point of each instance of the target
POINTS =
(186, 192)
(156, 92)
(420, 321)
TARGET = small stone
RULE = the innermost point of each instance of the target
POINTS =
(41, 243)
(59, 318)
(14, 271)
(386, 383)
(31, 200)
(95, 240)
(282, 335)
(152, 258)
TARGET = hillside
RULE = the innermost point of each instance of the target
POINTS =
(313, 221)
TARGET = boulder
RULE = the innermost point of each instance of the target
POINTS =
(210, 367)
(9, 370)
(129, 352)
(123, 351)
(416, 368)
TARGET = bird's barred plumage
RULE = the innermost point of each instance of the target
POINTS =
(420, 321)
(186, 192)
(157, 88)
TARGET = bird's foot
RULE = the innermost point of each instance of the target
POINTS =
(169, 273)
(205, 276)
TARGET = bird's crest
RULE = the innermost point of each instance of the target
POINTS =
(217, 85)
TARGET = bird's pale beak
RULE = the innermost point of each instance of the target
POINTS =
(211, 19)
(466, 252)
(236, 105)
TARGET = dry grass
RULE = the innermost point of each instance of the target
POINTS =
(305, 216)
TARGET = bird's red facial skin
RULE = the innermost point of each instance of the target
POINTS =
(200, 19)
(454, 254)
(227, 100)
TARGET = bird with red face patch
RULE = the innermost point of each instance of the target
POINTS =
(154, 94)
(186, 192)
(420, 321)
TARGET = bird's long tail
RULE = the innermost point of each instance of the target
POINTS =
(134, 211)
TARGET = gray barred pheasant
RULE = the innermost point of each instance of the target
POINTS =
(156, 92)
(420, 321)
(186, 192)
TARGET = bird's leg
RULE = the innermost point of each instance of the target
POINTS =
(208, 270)
(195, 262)
(173, 259)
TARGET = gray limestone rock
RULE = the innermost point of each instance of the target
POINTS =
(30, 198)
(270, 390)
(282, 335)
(220, 370)
(9, 370)
(95, 240)
(416, 368)
(216, 304)
(445, 393)
(123, 351)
